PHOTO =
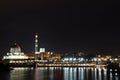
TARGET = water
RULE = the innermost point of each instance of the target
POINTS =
(58, 73)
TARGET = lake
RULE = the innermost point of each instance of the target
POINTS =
(58, 73)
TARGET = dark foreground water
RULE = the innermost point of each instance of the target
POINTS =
(58, 73)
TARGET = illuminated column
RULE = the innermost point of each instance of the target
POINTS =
(36, 46)
(36, 43)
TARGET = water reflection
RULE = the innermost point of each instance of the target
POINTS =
(58, 73)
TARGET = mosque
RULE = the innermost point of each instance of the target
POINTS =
(16, 56)
(15, 53)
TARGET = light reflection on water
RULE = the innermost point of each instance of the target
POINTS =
(58, 73)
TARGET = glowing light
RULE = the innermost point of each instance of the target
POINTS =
(66, 59)
(42, 50)
(95, 59)
(116, 59)
(15, 57)
(71, 59)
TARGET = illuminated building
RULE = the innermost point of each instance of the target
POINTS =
(17, 58)
(42, 49)
(15, 54)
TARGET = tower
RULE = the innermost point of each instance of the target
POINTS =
(36, 43)
(36, 46)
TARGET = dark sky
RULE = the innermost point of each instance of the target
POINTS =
(90, 26)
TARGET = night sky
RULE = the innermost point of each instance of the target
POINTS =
(63, 26)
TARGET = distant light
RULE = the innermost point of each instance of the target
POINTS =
(15, 57)
(95, 59)
(36, 35)
(42, 49)
(36, 40)
(82, 59)
(116, 59)
(74, 59)
(37, 52)
(51, 52)
(66, 59)
(48, 52)
(99, 59)
(71, 59)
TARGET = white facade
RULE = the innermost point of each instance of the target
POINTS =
(15, 53)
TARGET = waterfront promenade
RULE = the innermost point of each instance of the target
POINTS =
(65, 65)
(55, 64)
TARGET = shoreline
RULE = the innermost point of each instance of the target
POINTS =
(55, 65)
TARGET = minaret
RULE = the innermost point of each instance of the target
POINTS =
(36, 43)
(36, 46)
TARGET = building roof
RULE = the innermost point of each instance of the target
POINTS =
(15, 46)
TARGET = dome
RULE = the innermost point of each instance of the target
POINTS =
(15, 48)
